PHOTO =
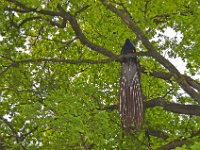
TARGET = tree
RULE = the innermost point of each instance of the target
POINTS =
(60, 73)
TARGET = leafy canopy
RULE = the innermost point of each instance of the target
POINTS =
(60, 71)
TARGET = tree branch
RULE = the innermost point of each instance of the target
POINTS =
(157, 133)
(192, 82)
(173, 107)
(167, 76)
(21, 5)
(126, 18)
(168, 106)
(118, 58)
(179, 142)
(157, 74)
(83, 39)
(175, 143)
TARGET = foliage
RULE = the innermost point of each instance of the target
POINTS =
(60, 71)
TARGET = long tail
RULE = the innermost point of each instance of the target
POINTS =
(131, 102)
